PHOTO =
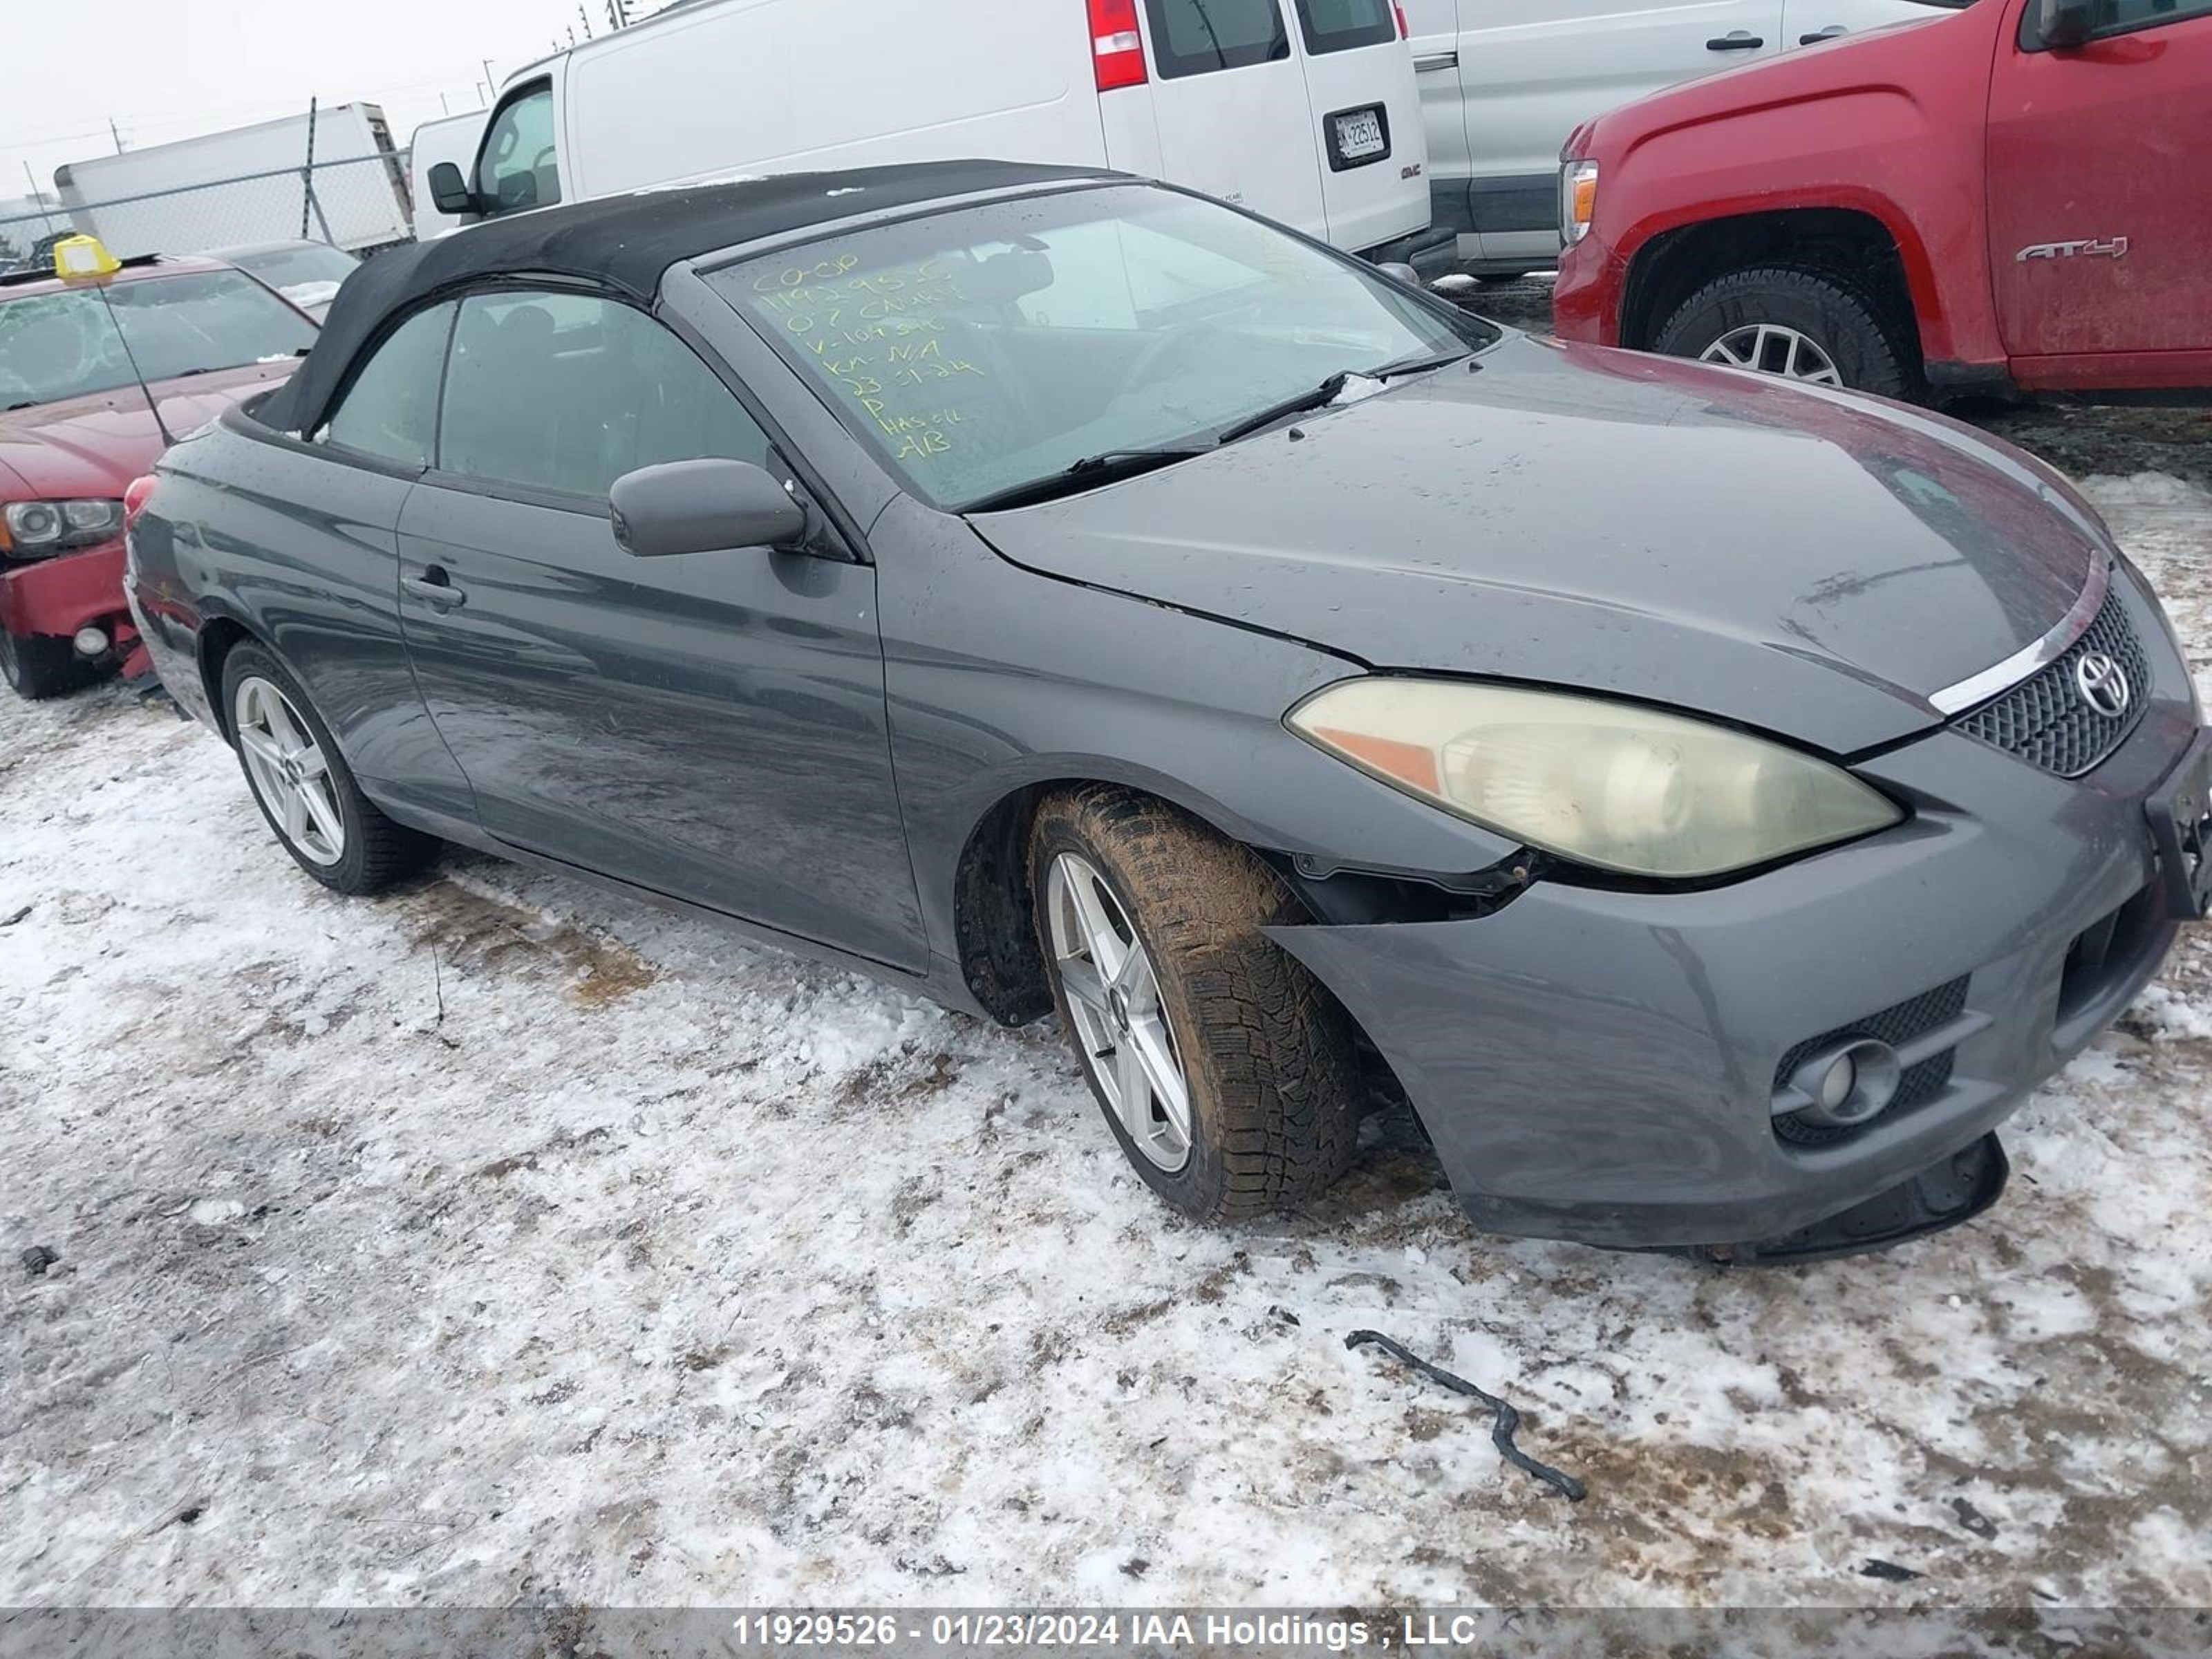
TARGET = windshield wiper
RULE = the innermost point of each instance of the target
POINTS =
(1414, 365)
(1318, 397)
(1104, 467)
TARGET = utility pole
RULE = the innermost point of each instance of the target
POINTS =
(585, 17)
(618, 13)
(115, 135)
(490, 79)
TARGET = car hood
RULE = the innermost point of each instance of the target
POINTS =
(1813, 564)
(95, 446)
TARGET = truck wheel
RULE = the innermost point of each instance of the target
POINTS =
(1814, 326)
(303, 786)
(1223, 1067)
(40, 665)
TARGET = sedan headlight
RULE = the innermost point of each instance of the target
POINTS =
(1605, 784)
(1578, 199)
(37, 528)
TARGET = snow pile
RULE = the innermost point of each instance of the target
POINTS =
(499, 1240)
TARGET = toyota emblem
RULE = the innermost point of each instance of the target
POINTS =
(2103, 684)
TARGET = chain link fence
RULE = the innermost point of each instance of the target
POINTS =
(359, 204)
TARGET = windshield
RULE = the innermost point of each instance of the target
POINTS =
(299, 267)
(57, 346)
(987, 348)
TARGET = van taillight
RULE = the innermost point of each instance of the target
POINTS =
(140, 492)
(1398, 7)
(1117, 51)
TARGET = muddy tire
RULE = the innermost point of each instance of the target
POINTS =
(340, 839)
(40, 665)
(1265, 1054)
(1867, 345)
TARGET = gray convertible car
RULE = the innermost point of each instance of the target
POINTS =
(1712, 803)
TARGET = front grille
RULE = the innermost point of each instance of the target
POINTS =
(2043, 720)
(1905, 1022)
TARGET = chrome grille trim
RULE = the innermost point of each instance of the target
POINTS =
(2030, 659)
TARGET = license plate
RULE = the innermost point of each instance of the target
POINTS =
(1359, 136)
(2181, 827)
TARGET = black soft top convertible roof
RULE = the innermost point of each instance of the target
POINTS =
(622, 243)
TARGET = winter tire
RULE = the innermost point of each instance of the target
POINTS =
(1223, 1067)
(40, 665)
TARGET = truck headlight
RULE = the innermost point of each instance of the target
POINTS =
(1612, 785)
(33, 529)
(1578, 199)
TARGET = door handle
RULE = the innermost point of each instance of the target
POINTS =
(1736, 41)
(1435, 60)
(1817, 35)
(436, 589)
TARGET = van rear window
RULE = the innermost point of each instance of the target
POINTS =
(1197, 37)
(1346, 25)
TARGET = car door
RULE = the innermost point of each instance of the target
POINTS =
(1229, 101)
(1365, 100)
(2100, 234)
(1433, 28)
(1808, 23)
(1534, 71)
(711, 727)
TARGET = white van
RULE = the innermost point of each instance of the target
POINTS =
(1303, 110)
(1503, 83)
(449, 138)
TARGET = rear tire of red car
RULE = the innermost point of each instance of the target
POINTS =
(1824, 326)
(40, 665)
(1223, 1069)
(303, 786)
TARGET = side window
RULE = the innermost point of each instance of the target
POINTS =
(567, 392)
(1346, 25)
(391, 409)
(1197, 37)
(2125, 17)
(516, 170)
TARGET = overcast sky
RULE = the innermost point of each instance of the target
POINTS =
(169, 68)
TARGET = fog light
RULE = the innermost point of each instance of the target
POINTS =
(1844, 1085)
(91, 643)
(1837, 1082)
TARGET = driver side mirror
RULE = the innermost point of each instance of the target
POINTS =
(2063, 25)
(703, 506)
(449, 191)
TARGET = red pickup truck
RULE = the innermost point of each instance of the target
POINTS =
(2016, 197)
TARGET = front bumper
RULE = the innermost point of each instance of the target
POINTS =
(63, 593)
(1586, 298)
(1601, 1065)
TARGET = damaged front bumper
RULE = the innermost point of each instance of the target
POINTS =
(1610, 1066)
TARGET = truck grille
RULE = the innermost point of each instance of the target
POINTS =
(2043, 720)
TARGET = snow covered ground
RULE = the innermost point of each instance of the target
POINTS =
(497, 1240)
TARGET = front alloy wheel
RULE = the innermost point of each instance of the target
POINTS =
(1114, 1004)
(1222, 1067)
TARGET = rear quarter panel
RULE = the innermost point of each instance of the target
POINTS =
(298, 549)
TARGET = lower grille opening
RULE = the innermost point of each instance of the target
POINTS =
(2105, 953)
(1902, 1024)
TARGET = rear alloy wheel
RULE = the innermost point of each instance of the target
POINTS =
(1223, 1068)
(1814, 326)
(303, 787)
(40, 665)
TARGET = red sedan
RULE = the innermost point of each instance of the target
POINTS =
(97, 376)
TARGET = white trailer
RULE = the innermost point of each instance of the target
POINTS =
(248, 185)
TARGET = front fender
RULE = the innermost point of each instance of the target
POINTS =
(999, 679)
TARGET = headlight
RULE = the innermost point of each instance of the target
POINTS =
(1605, 784)
(40, 527)
(1578, 199)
